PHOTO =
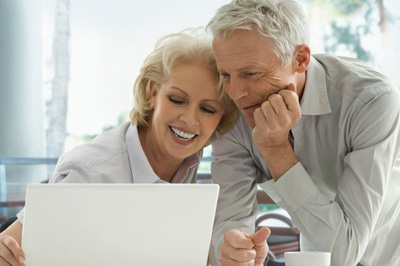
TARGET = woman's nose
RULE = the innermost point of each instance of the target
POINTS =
(190, 117)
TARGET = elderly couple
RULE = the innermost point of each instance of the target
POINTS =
(320, 134)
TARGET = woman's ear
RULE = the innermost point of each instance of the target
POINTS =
(153, 90)
(302, 57)
(152, 95)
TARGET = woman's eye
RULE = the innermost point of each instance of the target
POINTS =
(175, 101)
(208, 110)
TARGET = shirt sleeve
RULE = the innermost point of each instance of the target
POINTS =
(344, 226)
(234, 170)
(73, 172)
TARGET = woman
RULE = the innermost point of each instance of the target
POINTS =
(180, 106)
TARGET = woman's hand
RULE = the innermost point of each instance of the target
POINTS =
(10, 246)
(10, 252)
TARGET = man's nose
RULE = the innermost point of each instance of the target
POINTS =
(236, 89)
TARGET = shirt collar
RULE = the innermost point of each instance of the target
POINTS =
(141, 168)
(315, 99)
(183, 173)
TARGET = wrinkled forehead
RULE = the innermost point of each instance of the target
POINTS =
(242, 48)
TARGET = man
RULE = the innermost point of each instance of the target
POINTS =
(320, 134)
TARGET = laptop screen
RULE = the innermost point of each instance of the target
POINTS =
(118, 224)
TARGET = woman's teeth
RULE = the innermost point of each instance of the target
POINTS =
(182, 135)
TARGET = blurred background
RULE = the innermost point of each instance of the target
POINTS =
(67, 67)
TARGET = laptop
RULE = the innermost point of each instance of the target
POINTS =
(118, 224)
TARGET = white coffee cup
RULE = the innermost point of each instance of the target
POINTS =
(307, 258)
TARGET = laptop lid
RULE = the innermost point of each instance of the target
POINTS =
(118, 224)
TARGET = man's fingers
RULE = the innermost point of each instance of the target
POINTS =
(237, 255)
(292, 87)
(238, 239)
(290, 98)
(260, 245)
(277, 103)
(237, 249)
(242, 249)
(261, 254)
(229, 262)
(260, 236)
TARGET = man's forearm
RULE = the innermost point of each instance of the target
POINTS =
(279, 159)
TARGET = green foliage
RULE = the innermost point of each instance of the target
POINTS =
(347, 7)
(122, 118)
(348, 36)
(351, 34)
(87, 137)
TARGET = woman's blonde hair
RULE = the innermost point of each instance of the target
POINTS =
(190, 45)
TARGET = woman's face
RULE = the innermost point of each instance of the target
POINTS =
(186, 110)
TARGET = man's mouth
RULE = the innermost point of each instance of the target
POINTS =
(251, 108)
(184, 136)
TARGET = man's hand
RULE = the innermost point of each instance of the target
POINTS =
(245, 250)
(276, 117)
(274, 120)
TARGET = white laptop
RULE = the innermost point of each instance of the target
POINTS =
(118, 224)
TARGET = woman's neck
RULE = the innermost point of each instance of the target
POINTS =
(162, 164)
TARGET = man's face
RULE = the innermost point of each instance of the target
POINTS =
(251, 71)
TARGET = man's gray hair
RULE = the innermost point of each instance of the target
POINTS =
(283, 22)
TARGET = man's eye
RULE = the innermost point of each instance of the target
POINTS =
(225, 76)
(249, 74)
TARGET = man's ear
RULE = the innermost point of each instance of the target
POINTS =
(301, 59)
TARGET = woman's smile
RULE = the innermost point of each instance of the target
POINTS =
(183, 136)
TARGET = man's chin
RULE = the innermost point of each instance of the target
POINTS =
(250, 120)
